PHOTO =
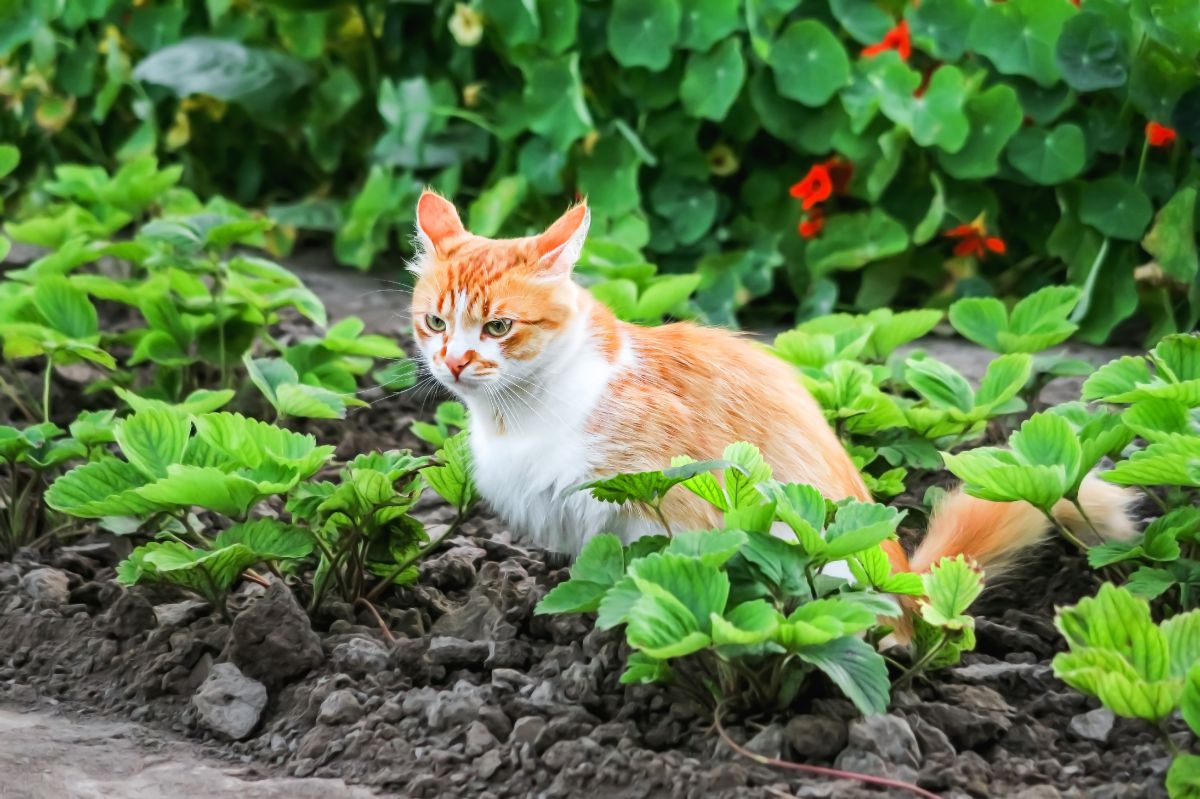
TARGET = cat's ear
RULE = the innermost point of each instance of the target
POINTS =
(437, 222)
(559, 247)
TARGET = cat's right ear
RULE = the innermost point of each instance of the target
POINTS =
(438, 223)
(559, 247)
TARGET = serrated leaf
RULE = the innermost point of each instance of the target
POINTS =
(153, 440)
(856, 668)
(951, 585)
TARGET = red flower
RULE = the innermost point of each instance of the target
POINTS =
(973, 240)
(1159, 135)
(896, 39)
(811, 225)
(815, 187)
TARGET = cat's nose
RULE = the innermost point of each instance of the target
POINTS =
(456, 364)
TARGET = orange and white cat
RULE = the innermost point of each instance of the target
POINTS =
(560, 391)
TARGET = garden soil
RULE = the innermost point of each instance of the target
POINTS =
(106, 692)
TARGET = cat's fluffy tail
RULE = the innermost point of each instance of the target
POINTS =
(995, 533)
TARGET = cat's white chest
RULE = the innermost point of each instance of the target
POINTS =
(529, 480)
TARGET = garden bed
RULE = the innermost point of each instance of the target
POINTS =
(478, 697)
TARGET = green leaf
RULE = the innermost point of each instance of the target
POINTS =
(853, 240)
(1183, 777)
(1182, 633)
(224, 69)
(707, 22)
(107, 487)
(641, 668)
(942, 385)
(1172, 238)
(809, 63)
(981, 319)
(1091, 54)
(1115, 621)
(552, 99)
(65, 308)
(642, 33)
(712, 80)
(10, 156)
(749, 623)
(1048, 157)
(940, 27)
(453, 481)
(993, 117)
(711, 546)
(701, 586)
(1004, 378)
(951, 585)
(1116, 208)
(269, 539)
(205, 486)
(646, 486)
(1046, 439)
(856, 668)
(153, 440)
(1019, 37)
(496, 204)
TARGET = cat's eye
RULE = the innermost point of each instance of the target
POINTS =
(435, 323)
(498, 327)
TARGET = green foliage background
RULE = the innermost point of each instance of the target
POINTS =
(683, 121)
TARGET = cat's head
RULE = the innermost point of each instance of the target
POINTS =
(487, 313)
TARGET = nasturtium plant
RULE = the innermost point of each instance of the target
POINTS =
(754, 603)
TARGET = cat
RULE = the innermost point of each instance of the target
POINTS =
(560, 391)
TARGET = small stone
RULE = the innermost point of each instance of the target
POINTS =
(456, 652)
(474, 620)
(478, 739)
(340, 707)
(272, 640)
(359, 657)
(230, 703)
(526, 730)
(1038, 792)
(889, 737)
(488, 764)
(767, 742)
(130, 615)
(965, 728)
(181, 614)
(47, 585)
(819, 737)
(1095, 725)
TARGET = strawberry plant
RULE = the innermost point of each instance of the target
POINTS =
(29, 454)
(738, 616)
(1137, 668)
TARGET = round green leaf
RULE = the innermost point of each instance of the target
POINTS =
(1172, 240)
(1019, 37)
(10, 156)
(1091, 54)
(993, 117)
(641, 33)
(706, 22)
(810, 63)
(553, 99)
(850, 241)
(1048, 157)
(712, 80)
(1116, 208)
(940, 27)
(224, 69)
(608, 176)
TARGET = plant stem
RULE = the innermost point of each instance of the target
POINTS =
(46, 379)
(923, 661)
(1065, 533)
(1142, 161)
(391, 639)
(373, 54)
(1157, 500)
(379, 588)
(1087, 519)
(823, 771)
(662, 519)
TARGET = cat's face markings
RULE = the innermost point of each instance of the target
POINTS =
(486, 312)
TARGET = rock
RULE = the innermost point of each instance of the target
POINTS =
(474, 620)
(272, 639)
(526, 730)
(819, 737)
(340, 707)
(478, 740)
(889, 737)
(1037, 792)
(966, 728)
(130, 615)
(230, 703)
(359, 657)
(1033, 674)
(47, 585)
(488, 764)
(457, 652)
(181, 614)
(933, 741)
(454, 568)
(870, 763)
(767, 742)
(1095, 725)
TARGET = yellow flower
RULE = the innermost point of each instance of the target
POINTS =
(466, 25)
(589, 141)
(471, 93)
(181, 131)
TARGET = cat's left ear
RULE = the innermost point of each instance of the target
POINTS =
(559, 247)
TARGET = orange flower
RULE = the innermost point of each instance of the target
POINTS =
(1159, 135)
(896, 39)
(813, 188)
(811, 226)
(974, 240)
